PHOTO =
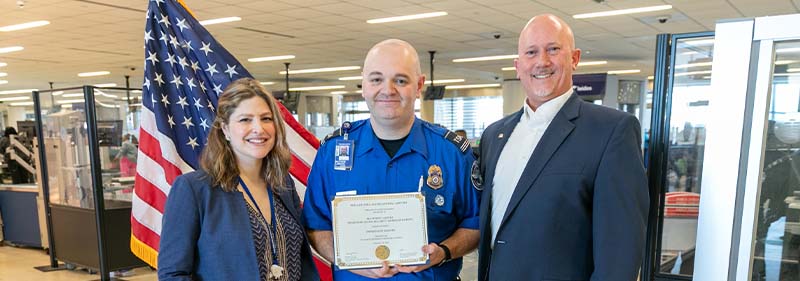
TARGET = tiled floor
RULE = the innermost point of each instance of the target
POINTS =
(17, 264)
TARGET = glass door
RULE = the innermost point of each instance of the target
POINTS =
(680, 102)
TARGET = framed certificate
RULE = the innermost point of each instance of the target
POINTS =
(370, 229)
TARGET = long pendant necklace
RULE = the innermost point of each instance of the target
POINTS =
(275, 270)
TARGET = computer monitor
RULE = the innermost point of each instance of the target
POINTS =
(434, 92)
(109, 132)
(27, 127)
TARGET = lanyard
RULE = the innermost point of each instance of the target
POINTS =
(272, 228)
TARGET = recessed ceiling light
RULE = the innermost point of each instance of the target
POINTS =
(2, 64)
(58, 93)
(3, 82)
(408, 17)
(782, 62)
(787, 74)
(267, 83)
(445, 81)
(510, 68)
(350, 78)
(625, 71)
(793, 70)
(284, 57)
(20, 91)
(326, 69)
(11, 49)
(3, 74)
(220, 20)
(623, 12)
(26, 25)
(96, 73)
(14, 98)
(72, 95)
(472, 86)
(316, 88)
(501, 57)
(24, 103)
(339, 92)
(651, 77)
(106, 85)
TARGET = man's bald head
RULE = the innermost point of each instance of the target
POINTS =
(547, 57)
(549, 21)
(394, 47)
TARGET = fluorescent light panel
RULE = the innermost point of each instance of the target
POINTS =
(471, 86)
(787, 50)
(3, 74)
(782, 62)
(316, 88)
(326, 69)
(272, 58)
(624, 71)
(693, 73)
(348, 78)
(26, 25)
(267, 83)
(25, 103)
(688, 65)
(583, 63)
(95, 73)
(445, 81)
(623, 12)
(15, 98)
(20, 91)
(408, 17)
(2, 64)
(220, 20)
(69, 101)
(72, 95)
(106, 85)
(500, 57)
(339, 92)
(3, 81)
(793, 70)
(11, 49)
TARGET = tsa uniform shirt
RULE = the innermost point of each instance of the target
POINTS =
(451, 199)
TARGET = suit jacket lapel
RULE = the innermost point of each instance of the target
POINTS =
(501, 138)
(286, 199)
(553, 137)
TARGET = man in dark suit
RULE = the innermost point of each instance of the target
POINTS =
(566, 194)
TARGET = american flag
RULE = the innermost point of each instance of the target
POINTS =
(185, 70)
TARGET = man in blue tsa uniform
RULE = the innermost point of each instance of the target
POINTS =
(394, 152)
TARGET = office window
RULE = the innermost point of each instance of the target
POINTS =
(472, 114)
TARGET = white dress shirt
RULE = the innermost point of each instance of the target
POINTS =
(516, 153)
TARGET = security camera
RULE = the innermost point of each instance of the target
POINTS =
(663, 19)
(496, 35)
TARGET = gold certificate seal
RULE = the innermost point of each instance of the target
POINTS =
(382, 252)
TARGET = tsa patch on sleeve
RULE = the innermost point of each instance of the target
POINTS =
(476, 177)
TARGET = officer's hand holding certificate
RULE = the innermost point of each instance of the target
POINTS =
(371, 229)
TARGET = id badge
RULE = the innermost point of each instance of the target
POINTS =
(343, 155)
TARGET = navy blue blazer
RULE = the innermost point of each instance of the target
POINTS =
(579, 210)
(206, 233)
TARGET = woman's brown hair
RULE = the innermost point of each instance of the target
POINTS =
(218, 159)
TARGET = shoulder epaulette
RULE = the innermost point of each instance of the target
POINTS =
(461, 142)
(336, 133)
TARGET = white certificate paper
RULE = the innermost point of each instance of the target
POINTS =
(370, 229)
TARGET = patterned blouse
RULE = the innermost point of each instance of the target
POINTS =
(289, 239)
